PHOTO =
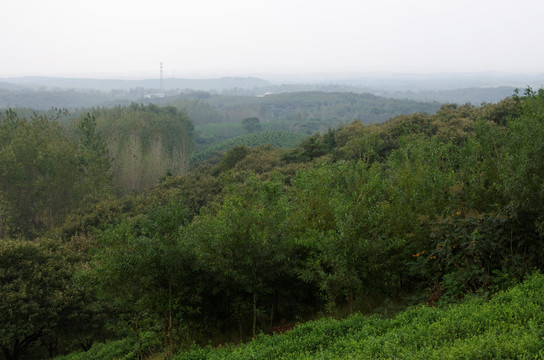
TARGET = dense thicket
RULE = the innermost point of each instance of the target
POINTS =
(218, 117)
(47, 172)
(52, 165)
(420, 209)
(329, 109)
(276, 139)
(41, 304)
(145, 143)
(498, 329)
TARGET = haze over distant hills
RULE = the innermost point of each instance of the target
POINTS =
(475, 88)
(406, 81)
(379, 81)
(117, 84)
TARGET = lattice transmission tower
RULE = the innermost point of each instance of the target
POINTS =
(162, 82)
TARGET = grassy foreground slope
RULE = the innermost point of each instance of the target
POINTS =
(510, 325)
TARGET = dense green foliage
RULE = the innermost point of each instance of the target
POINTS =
(145, 143)
(308, 112)
(251, 124)
(220, 118)
(420, 209)
(475, 328)
(45, 173)
(507, 327)
(277, 139)
(41, 302)
(124, 349)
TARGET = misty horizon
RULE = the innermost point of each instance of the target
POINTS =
(240, 38)
(271, 75)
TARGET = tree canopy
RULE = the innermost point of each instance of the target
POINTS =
(422, 209)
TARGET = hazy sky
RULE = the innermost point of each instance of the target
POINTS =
(239, 37)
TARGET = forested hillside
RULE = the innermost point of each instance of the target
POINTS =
(333, 107)
(145, 143)
(53, 163)
(423, 209)
(473, 329)
(218, 118)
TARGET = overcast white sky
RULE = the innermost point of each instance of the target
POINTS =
(120, 38)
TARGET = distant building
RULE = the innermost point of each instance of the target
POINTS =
(154, 96)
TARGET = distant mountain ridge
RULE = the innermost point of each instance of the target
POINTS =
(4, 85)
(117, 84)
(43, 92)
(474, 95)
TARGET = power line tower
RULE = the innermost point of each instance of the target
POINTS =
(162, 82)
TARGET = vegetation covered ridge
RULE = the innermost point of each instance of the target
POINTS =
(509, 326)
(276, 139)
(420, 209)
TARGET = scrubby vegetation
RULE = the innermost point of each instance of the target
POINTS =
(423, 209)
(145, 143)
(509, 326)
(276, 139)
